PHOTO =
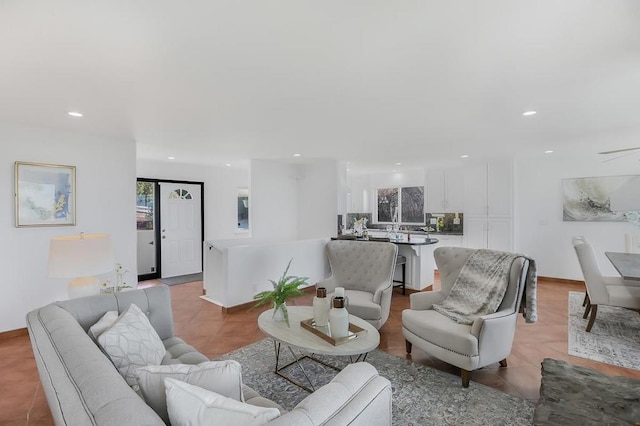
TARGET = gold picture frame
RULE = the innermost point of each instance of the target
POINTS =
(45, 194)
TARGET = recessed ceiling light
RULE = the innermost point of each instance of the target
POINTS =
(528, 113)
(548, 151)
(75, 114)
(171, 158)
(296, 155)
(398, 164)
(464, 156)
(348, 169)
(228, 164)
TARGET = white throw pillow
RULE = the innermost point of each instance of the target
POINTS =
(194, 406)
(223, 377)
(103, 323)
(132, 342)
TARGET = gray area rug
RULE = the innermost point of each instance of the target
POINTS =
(614, 338)
(572, 395)
(182, 279)
(421, 395)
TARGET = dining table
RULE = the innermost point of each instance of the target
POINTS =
(627, 264)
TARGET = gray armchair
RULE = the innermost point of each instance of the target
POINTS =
(470, 347)
(365, 270)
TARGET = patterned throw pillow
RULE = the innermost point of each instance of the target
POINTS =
(103, 323)
(223, 377)
(194, 406)
(132, 342)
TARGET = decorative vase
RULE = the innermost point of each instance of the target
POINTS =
(339, 319)
(321, 307)
(278, 312)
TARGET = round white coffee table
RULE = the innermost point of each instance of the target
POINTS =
(297, 337)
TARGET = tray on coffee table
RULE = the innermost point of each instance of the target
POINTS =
(323, 332)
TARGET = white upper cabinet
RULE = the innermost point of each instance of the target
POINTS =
(454, 190)
(488, 213)
(488, 190)
(445, 191)
(475, 190)
(435, 191)
(500, 189)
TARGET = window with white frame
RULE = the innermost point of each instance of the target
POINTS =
(404, 205)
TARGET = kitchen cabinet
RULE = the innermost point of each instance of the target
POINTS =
(420, 265)
(445, 240)
(500, 189)
(488, 190)
(445, 191)
(492, 233)
(448, 240)
(488, 220)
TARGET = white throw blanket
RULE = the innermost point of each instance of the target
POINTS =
(482, 284)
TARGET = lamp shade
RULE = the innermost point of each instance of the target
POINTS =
(82, 255)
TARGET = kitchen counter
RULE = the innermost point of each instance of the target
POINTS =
(415, 241)
(421, 233)
(419, 253)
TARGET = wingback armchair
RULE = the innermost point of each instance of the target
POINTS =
(488, 340)
(365, 270)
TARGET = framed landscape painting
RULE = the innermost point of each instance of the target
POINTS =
(45, 194)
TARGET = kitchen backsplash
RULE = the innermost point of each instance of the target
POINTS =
(352, 217)
(450, 223)
(446, 223)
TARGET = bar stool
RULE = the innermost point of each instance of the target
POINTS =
(401, 260)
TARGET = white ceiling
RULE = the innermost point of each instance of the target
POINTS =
(367, 81)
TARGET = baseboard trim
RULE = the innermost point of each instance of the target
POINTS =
(6, 335)
(248, 305)
(561, 280)
(237, 308)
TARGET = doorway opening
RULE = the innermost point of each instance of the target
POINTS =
(170, 228)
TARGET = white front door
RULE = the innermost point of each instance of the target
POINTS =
(181, 229)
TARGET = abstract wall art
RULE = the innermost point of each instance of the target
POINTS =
(589, 199)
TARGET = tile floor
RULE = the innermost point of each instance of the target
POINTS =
(204, 326)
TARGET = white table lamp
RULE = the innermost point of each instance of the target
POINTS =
(80, 257)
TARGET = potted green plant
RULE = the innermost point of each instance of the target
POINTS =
(284, 288)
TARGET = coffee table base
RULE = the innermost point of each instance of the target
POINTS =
(296, 360)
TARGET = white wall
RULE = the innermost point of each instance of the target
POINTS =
(105, 203)
(220, 192)
(273, 200)
(317, 199)
(229, 282)
(294, 201)
(343, 188)
(539, 229)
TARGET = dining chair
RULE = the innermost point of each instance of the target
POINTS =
(601, 290)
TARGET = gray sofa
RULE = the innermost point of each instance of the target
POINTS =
(83, 387)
